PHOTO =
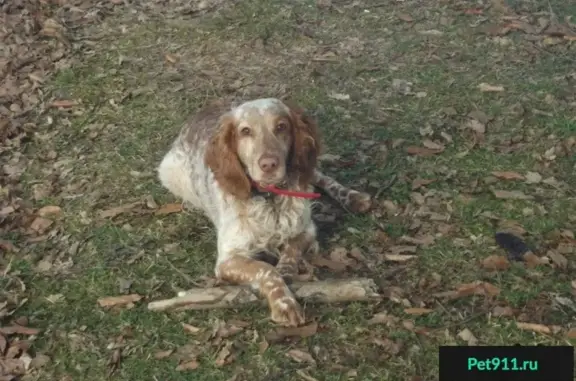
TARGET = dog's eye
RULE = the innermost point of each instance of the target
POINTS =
(281, 127)
(245, 131)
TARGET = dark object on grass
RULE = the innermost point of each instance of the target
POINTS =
(514, 245)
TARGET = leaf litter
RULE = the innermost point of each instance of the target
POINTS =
(119, 301)
(301, 356)
(496, 262)
(468, 337)
(468, 289)
(488, 88)
(59, 33)
(282, 333)
(508, 175)
(511, 195)
(15, 358)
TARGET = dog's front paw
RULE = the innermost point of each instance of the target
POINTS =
(359, 202)
(286, 311)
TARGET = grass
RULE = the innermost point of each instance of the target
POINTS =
(108, 155)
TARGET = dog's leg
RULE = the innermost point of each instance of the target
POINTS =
(291, 254)
(353, 200)
(237, 267)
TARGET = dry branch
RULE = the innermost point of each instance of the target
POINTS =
(329, 291)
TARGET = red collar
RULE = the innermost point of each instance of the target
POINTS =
(285, 192)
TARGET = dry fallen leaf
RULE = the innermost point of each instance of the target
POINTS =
(55, 298)
(3, 344)
(418, 183)
(22, 320)
(49, 210)
(409, 325)
(446, 136)
(190, 351)
(301, 356)
(476, 126)
(424, 240)
(112, 301)
(163, 354)
(320, 261)
(340, 254)
(39, 361)
(169, 209)
(224, 355)
(398, 257)
(8, 246)
(432, 145)
(495, 262)
(170, 58)
(422, 151)
(399, 249)
(305, 376)
(485, 87)
(511, 227)
(329, 158)
(18, 330)
(324, 4)
(356, 253)
(114, 361)
(339, 97)
(467, 289)
(487, 289)
(40, 224)
(558, 259)
(389, 346)
(190, 328)
(383, 318)
(500, 311)
(64, 103)
(113, 212)
(511, 195)
(508, 175)
(417, 311)
(282, 333)
(473, 11)
(187, 365)
(539, 328)
(468, 337)
(224, 330)
(395, 294)
(431, 32)
(405, 17)
(533, 177)
(150, 202)
(532, 260)
(262, 346)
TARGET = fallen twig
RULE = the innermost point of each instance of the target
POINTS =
(329, 291)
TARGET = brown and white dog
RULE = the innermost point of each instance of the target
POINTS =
(250, 168)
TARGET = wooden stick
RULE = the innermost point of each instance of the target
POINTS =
(329, 291)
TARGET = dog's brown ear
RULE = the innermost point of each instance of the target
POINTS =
(305, 144)
(222, 158)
